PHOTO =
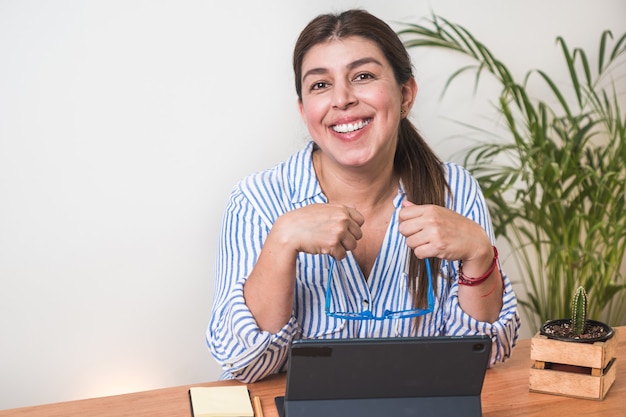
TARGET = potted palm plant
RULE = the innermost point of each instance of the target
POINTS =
(556, 181)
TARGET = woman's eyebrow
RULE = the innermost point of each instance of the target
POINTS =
(352, 65)
(315, 71)
(363, 61)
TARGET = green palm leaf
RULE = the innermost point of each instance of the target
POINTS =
(559, 198)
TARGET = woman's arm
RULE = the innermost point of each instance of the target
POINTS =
(315, 229)
(252, 318)
(438, 232)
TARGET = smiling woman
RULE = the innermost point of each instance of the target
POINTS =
(367, 193)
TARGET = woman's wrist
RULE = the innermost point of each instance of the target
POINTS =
(281, 234)
(469, 276)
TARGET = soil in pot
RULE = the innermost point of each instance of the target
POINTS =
(562, 330)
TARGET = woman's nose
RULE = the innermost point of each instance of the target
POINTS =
(343, 96)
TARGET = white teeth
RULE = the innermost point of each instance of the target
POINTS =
(350, 127)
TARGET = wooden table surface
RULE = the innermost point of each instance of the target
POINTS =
(505, 393)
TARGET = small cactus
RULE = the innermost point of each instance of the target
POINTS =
(579, 311)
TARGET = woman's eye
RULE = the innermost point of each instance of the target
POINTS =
(319, 85)
(363, 76)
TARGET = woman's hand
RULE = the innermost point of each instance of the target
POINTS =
(434, 231)
(320, 228)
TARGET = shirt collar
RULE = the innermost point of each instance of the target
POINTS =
(306, 186)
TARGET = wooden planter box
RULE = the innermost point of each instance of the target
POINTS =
(582, 370)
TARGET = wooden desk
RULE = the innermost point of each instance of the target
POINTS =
(505, 393)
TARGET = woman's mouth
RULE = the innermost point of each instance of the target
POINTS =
(351, 127)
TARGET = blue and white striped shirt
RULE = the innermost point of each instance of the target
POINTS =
(249, 354)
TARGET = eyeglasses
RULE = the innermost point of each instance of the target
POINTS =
(387, 314)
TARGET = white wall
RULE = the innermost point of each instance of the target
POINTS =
(123, 126)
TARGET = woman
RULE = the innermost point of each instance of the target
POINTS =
(338, 241)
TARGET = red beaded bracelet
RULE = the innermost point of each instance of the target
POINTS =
(465, 280)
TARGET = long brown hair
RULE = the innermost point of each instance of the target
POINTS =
(419, 169)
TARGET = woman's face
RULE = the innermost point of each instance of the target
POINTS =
(351, 102)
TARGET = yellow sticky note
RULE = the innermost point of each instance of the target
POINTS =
(230, 401)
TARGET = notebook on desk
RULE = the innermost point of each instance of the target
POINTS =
(390, 377)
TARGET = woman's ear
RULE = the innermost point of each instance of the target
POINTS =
(302, 113)
(409, 91)
(300, 108)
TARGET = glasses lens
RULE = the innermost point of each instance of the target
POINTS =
(340, 303)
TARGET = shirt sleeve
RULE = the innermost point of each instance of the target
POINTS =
(469, 201)
(244, 351)
(503, 332)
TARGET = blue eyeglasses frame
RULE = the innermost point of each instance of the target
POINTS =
(387, 314)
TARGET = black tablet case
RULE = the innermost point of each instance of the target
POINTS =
(390, 377)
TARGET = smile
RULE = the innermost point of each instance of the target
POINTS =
(351, 127)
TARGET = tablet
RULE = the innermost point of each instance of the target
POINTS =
(420, 376)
